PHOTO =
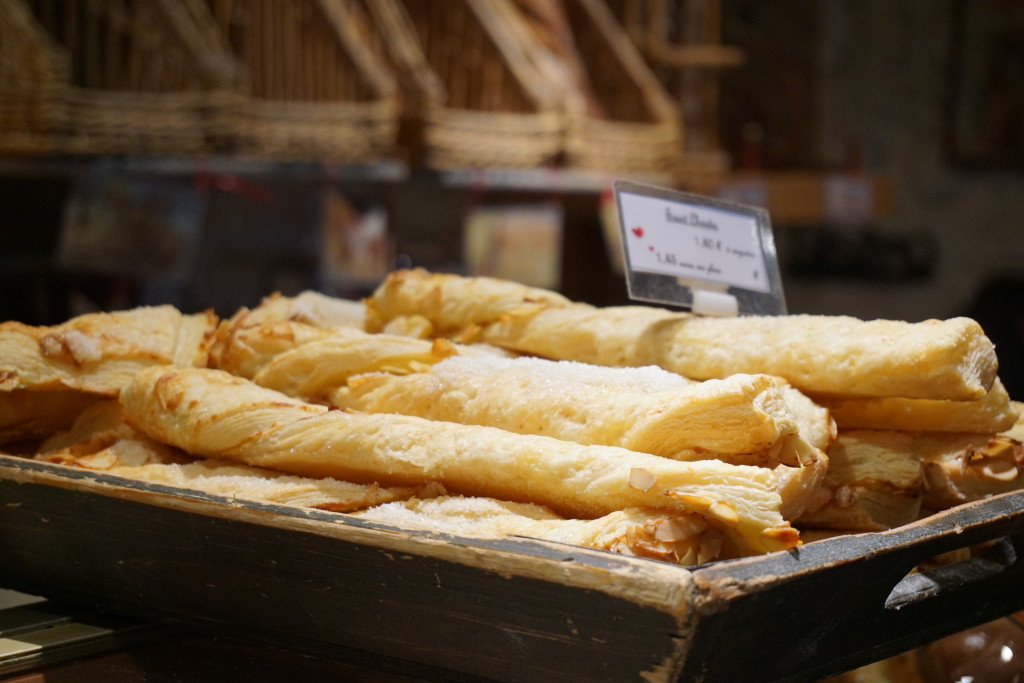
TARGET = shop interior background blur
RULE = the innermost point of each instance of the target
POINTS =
(206, 153)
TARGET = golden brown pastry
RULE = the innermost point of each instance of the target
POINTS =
(311, 308)
(451, 303)
(310, 362)
(800, 486)
(885, 470)
(644, 409)
(874, 482)
(615, 335)
(211, 413)
(1017, 430)
(641, 409)
(99, 352)
(990, 414)
(684, 540)
(742, 419)
(26, 414)
(837, 355)
(100, 440)
(244, 344)
(967, 467)
(315, 370)
(817, 427)
(232, 480)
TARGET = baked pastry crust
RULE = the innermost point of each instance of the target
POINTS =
(647, 409)
(684, 540)
(27, 415)
(837, 355)
(450, 302)
(875, 481)
(879, 479)
(100, 440)
(966, 467)
(316, 370)
(211, 413)
(311, 308)
(990, 414)
(99, 352)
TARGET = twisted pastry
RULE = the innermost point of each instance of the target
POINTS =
(838, 355)
(211, 413)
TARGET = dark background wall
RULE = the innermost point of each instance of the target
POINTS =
(892, 76)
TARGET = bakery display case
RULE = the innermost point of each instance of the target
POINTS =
(307, 461)
(223, 198)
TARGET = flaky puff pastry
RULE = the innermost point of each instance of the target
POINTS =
(644, 409)
(48, 374)
(244, 343)
(1016, 431)
(316, 370)
(27, 414)
(99, 352)
(965, 467)
(680, 539)
(641, 409)
(211, 413)
(836, 355)
(100, 440)
(899, 474)
(614, 335)
(839, 355)
(992, 413)
(451, 303)
(870, 486)
(310, 308)
(744, 419)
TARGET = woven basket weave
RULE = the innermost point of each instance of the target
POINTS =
(34, 76)
(683, 42)
(626, 121)
(314, 88)
(145, 74)
(481, 97)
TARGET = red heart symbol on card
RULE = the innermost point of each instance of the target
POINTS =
(638, 231)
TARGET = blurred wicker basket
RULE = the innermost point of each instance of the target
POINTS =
(393, 40)
(620, 118)
(484, 99)
(145, 74)
(682, 40)
(315, 91)
(702, 172)
(34, 76)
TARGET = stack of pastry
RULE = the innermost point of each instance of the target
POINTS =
(481, 407)
(922, 421)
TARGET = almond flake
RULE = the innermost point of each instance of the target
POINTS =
(641, 479)
(998, 469)
(724, 512)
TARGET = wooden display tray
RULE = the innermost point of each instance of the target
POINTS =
(511, 609)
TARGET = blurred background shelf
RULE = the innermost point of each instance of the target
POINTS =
(207, 153)
(776, 103)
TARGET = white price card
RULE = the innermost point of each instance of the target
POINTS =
(709, 255)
